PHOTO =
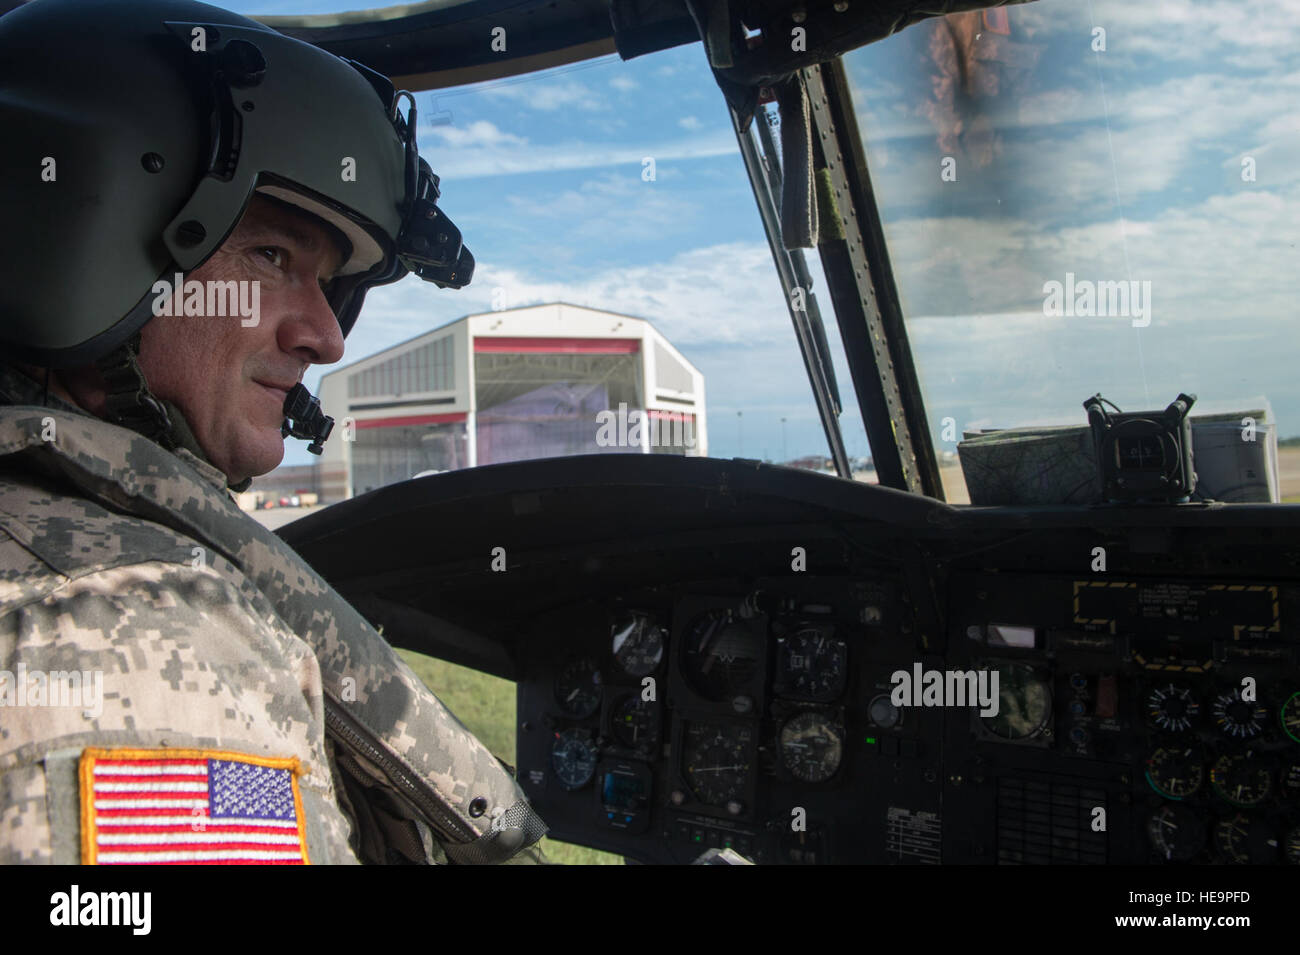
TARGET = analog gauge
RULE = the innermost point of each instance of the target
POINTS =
(1024, 703)
(716, 760)
(577, 689)
(1241, 780)
(1246, 841)
(883, 712)
(1176, 772)
(573, 757)
(638, 644)
(1290, 714)
(811, 747)
(811, 665)
(1175, 833)
(1172, 708)
(721, 654)
(1293, 846)
(1237, 717)
(635, 723)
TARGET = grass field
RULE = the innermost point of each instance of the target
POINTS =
(486, 704)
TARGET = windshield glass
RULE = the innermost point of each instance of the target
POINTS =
(615, 191)
(1091, 197)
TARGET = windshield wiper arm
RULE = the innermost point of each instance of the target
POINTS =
(765, 178)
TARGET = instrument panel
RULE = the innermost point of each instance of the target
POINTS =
(1044, 718)
(723, 716)
(721, 653)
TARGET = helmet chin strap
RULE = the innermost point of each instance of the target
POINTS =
(130, 404)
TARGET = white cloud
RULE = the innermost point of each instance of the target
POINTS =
(477, 135)
(1252, 32)
(622, 206)
(690, 123)
(624, 83)
(1229, 256)
(548, 94)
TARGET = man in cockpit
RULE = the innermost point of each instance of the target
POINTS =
(195, 206)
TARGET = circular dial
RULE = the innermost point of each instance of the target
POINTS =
(1245, 841)
(1175, 833)
(811, 665)
(716, 761)
(573, 757)
(721, 654)
(1024, 703)
(638, 644)
(577, 689)
(883, 712)
(811, 747)
(635, 723)
(1176, 772)
(1292, 846)
(1237, 717)
(1241, 780)
(1172, 708)
(1290, 716)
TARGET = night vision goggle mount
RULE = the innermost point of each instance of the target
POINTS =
(429, 244)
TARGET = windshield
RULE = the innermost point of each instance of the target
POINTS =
(617, 190)
(1091, 197)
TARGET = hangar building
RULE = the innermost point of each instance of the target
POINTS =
(534, 382)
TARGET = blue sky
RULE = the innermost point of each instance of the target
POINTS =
(1115, 165)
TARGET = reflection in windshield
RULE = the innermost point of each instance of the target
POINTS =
(1091, 197)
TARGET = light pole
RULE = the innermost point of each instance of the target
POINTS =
(785, 457)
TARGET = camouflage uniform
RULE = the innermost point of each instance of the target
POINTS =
(119, 556)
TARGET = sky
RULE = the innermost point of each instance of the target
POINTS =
(1163, 152)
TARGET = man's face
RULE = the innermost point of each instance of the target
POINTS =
(229, 380)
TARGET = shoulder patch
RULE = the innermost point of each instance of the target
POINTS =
(190, 807)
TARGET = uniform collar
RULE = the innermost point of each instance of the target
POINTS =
(16, 388)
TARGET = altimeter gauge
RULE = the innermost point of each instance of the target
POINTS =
(811, 747)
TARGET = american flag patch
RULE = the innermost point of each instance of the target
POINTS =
(190, 807)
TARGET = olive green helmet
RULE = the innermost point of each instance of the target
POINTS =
(136, 135)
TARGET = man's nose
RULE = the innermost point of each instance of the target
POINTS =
(312, 326)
